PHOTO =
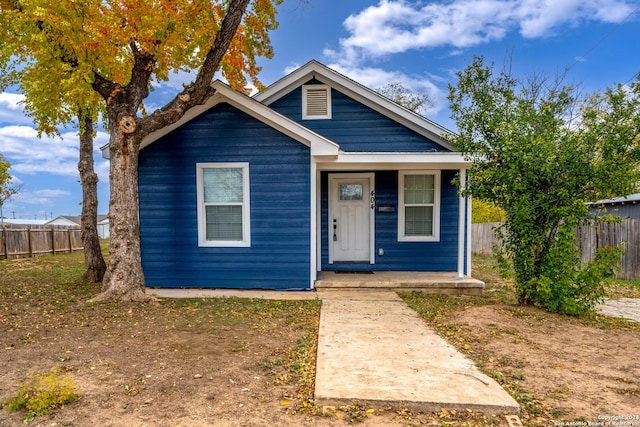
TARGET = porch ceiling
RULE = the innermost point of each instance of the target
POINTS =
(382, 161)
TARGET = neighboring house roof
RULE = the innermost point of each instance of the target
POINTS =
(72, 220)
(633, 199)
(353, 89)
(24, 221)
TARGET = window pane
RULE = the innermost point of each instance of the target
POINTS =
(224, 222)
(350, 191)
(419, 189)
(222, 185)
(418, 221)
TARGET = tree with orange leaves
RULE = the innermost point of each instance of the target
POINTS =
(107, 55)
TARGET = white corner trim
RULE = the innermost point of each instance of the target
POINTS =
(461, 224)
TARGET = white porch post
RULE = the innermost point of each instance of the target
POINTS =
(313, 226)
(461, 224)
(469, 210)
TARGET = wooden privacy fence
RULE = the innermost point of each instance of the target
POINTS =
(589, 238)
(36, 240)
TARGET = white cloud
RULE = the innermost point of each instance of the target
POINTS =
(30, 155)
(43, 197)
(394, 26)
(11, 110)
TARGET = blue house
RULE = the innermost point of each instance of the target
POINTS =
(315, 174)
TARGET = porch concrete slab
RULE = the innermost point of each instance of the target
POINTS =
(376, 351)
(434, 282)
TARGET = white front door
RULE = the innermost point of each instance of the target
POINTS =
(350, 217)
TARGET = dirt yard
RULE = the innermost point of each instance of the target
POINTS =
(240, 362)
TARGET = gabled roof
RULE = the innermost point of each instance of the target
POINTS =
(224, 94)
(353, 89)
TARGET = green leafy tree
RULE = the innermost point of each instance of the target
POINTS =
(52, 103)
(486, 212)
(540, 158)
(7, 188)
(4, 172)
(400, 94)
(116, 51)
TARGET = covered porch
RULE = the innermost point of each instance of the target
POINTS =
(405, 281)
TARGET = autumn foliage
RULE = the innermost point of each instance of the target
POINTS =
(106, 56)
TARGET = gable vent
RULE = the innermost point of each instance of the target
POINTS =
(316, 102)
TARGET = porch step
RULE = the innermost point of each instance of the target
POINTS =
(406, 281)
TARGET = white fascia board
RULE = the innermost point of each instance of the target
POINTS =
(288, 83)
(394, 161)
(191, 114)
(363, 94)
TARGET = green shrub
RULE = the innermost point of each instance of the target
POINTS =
(564, 284)
(41, 394)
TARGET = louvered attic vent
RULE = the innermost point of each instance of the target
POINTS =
(316, 102)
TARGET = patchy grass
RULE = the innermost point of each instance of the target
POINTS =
(41, 394)
(254, 360)
(617, 288)
(518, 346)
(146, 358)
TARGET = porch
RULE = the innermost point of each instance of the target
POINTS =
(406, 281)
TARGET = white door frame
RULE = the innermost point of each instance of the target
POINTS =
(372, 218)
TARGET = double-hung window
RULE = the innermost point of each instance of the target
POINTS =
(223, 204)
(419, 206)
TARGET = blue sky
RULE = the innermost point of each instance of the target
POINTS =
(420, 44)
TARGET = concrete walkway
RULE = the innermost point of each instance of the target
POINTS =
(627, 308)
(376, 351)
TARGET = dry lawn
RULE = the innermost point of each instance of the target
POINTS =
(247, 362)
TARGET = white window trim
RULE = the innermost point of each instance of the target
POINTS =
(305, 89)
(246, 209)
(436, 207)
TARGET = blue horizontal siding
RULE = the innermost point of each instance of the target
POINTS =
(356, 127)
(402, 256)
(280, 198)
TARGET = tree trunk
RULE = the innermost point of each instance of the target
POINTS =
(93, 260)
(124, 280)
